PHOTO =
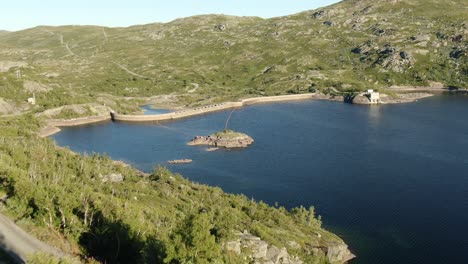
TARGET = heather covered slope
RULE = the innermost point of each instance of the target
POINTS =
(103, 210)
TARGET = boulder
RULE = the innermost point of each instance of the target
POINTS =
(293, 244)
(364, 48)
(361, 99)
(318, 14)
(113, 177)
(395, 60)
(220, 27)
(457, 38)
(457, 53)
(234, 246)
(339, 254)
(260, 251)
(378, 31)
(277, 255)
(437, 85)
(405, 55)
(228, 43)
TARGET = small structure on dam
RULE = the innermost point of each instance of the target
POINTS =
(374, 97)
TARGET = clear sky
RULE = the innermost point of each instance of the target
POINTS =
(22, 14)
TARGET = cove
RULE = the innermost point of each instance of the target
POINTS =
(391, 180)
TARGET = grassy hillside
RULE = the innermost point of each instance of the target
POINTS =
(202, 59)
(104, 211)
(76, 203)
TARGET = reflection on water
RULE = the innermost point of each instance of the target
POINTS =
(391, 180)
(374, 112)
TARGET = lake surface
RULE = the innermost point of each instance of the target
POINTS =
(391, 180)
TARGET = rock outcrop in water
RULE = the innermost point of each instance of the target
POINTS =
(180, 161)
(223, 139)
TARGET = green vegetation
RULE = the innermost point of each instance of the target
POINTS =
(43, 258)
(227, 133)
(159, 218)
(61, 197)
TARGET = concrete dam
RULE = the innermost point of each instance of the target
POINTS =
(53, 126)
(207, 109)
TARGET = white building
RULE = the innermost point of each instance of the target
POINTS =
(32, 100)
(374, 97)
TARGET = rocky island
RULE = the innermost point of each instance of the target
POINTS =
(223, 139)
(180, 161)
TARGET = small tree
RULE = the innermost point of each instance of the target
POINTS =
(193, 242)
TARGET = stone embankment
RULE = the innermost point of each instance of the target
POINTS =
(176, 115)
(409, 94)
(279, 98)
(208, 109)
(406, 94)
(435, 88)
(54, 124)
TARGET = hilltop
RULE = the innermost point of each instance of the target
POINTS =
(352, 45)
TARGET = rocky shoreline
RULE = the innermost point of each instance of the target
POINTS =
(259, 251)
(399, 98)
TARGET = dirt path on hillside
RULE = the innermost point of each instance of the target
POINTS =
(130, 72)
(18, 244)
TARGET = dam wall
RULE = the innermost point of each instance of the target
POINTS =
(53, 126)
(177, 115)
(208, 109)
(279, 98)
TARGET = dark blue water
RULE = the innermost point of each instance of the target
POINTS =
(391, 180)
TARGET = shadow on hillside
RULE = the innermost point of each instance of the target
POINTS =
(7, 256)
(114, 242)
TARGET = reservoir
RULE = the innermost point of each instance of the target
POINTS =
(391, 180)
